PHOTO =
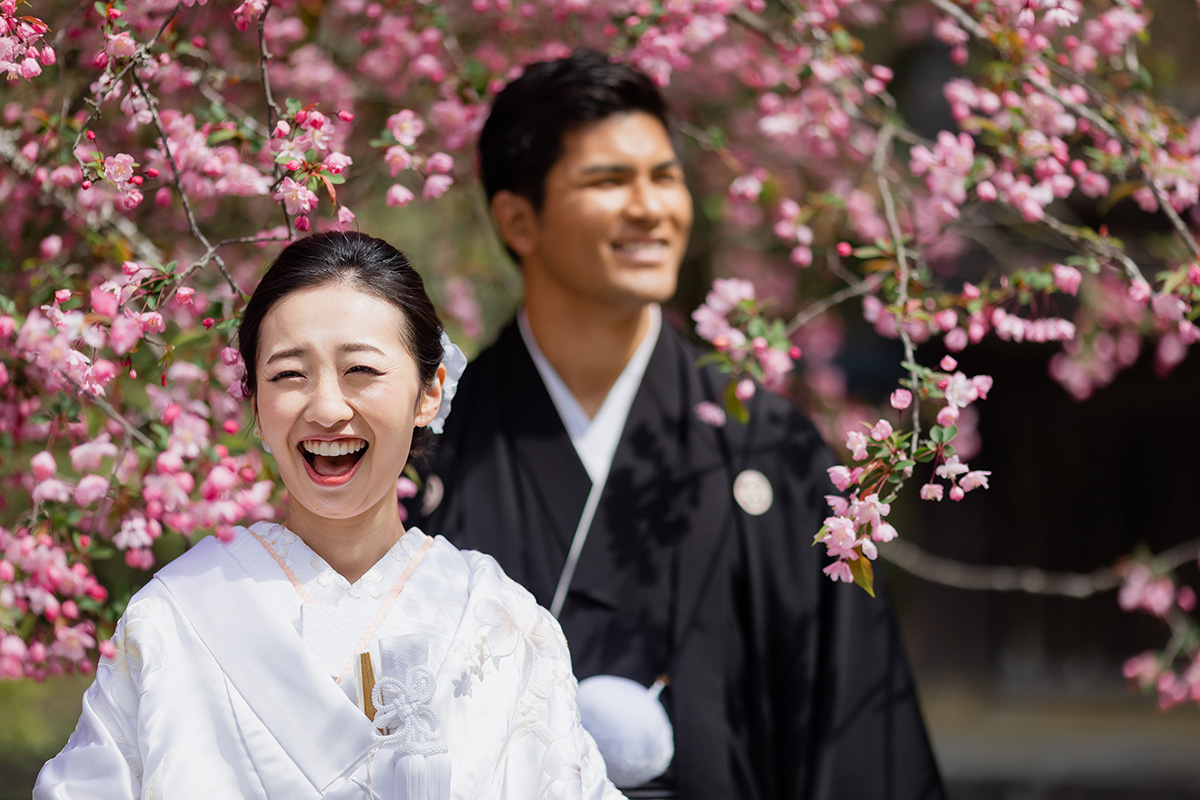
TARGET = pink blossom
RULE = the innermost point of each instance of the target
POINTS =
(901, 399)
(439, 163)
(884, 532)
(121, 45)
(405, 126)
(744, 389)
(338, 163)
(398, 159)
(839, 504)
(1168, 307)
(119, 170)
(436, 186)
(956, 493)
(727, 293)
(951, 468)
(931, 491)
(841, 476)
(710, 413)
(975, 479)
(1067, 278)
(43, 465)
(398, 196)
(104, 301)
(296, 197)
(1139, 292)
(881, 431)
(961, 390)
(137, 532)
(841, 537)
(88, 456)
(856, 443)
(51, 490)
(90, 489)
(947, 415)
(839, 571)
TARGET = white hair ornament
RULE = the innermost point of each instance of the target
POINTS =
(455, 362)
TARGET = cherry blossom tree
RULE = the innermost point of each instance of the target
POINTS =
(156, 152)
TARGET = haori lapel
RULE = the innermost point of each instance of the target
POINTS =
(544, 451)
(268, 664)
(663, 508)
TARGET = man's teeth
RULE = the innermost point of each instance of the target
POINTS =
(637, 246)
(340, 448)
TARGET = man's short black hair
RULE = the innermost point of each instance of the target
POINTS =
(523, 136)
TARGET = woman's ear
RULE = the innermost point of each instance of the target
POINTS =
(431, 398)
(516, 222)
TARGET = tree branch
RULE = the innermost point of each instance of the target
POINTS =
(949, 572)
(178, 180)
(145, 249)
(273, 114)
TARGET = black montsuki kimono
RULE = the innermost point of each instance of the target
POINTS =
(782, 683)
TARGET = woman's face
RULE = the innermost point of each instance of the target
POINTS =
(337, 398)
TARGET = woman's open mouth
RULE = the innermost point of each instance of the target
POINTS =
(333, 463)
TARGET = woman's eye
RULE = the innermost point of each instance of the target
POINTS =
(365, 370)
(285, 374)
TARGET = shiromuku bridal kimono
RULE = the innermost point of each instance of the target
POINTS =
(238, 673)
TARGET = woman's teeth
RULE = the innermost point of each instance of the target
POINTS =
(340, 448)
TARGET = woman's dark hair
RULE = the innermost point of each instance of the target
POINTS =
(523, 136)
(365, 263)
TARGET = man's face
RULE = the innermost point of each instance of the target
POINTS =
(614, 225)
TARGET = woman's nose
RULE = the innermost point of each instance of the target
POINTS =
(327, 405)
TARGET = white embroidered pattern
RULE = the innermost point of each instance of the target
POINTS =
(405, 707)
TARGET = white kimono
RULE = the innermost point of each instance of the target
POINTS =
(225, 683)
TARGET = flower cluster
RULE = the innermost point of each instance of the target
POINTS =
(747, 345)
(1173, 673)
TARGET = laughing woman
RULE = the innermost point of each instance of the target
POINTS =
(334, 655)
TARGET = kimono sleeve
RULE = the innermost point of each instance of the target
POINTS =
(102, 757)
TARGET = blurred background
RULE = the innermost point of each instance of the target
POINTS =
(1023, 694)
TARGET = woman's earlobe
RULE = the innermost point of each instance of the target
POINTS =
(431, 398)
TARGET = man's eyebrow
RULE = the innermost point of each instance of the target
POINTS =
(625, 169)
(352, 347)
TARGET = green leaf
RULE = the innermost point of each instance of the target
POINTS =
(222, 135)
(937, 434)
(864, 574)
(736, 408)
(950, 431)
(712, 357)
(716, 136)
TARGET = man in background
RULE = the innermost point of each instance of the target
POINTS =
(693, 559)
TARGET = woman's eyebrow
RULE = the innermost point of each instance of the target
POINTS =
(291, 352)
(360, 347)
(302, 350)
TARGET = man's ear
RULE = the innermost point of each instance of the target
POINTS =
(516, 222)
(431, 398)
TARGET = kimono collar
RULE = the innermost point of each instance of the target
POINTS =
(595, 438)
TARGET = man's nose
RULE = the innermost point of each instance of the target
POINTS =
(645, 200)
